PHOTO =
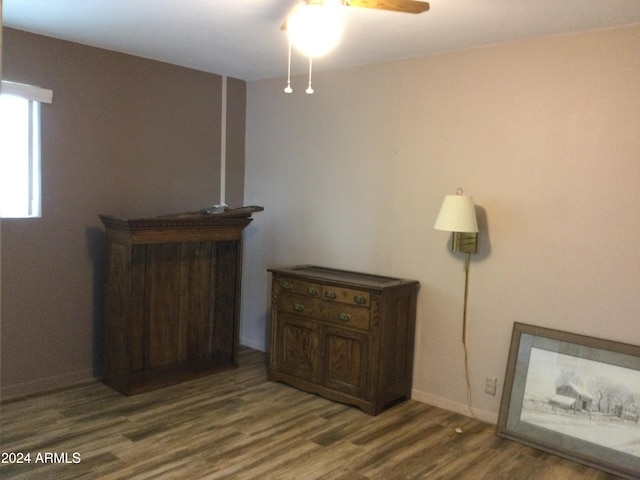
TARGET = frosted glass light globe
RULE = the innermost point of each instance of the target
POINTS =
(315, 28)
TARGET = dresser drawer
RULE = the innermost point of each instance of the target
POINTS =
(300, 287)
(346, 315)
(346, 295)
(299, 305)
(333, 312)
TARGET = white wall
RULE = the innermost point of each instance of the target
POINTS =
(544, 134)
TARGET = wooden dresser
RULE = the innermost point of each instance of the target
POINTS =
(172, 298)
(347, 336)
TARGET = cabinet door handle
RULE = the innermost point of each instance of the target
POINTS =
(286, 285)
(297, 307)
(344, 317)
(359, 299)
(330, 294)
(312, 291)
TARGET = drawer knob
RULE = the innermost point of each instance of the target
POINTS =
(286, 285)
(297, 307)
(359, 299)
(312, 291)
(330, 294)
(344, 317)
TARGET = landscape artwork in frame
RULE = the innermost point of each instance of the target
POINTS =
(575, 396)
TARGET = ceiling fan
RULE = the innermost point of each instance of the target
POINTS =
(314, 27)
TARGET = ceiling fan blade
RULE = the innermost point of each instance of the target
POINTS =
(405, 6)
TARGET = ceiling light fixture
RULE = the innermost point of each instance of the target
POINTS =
(314, 28)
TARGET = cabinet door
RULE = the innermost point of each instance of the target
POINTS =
(297, 345)
(345, 360)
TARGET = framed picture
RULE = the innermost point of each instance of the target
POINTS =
(574, 396)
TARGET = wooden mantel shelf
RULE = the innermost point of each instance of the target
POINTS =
(180, 227)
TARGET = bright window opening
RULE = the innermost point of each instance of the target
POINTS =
(20, 150)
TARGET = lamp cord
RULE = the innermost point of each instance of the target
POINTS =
(466, 294)
(464, 334)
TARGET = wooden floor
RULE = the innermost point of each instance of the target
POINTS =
(236, 425)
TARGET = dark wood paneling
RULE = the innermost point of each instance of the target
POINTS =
(162, 304)
(136, 342)
(116, 359)
(227, 289)
(196, 300)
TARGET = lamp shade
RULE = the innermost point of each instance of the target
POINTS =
(457, 214)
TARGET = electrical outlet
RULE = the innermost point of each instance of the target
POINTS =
(490, 385)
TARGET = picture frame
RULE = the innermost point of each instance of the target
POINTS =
(574, 396)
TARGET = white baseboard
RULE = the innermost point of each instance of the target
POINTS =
(47, 384)
(452, 406)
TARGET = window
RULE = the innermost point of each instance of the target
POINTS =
(20, 149)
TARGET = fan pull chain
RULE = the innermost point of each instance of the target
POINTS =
(288, 88)
(309, 89)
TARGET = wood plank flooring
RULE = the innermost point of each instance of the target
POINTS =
(237, 425)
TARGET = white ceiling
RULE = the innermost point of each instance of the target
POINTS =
(242, 38)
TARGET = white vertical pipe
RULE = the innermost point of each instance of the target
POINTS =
(223, 143)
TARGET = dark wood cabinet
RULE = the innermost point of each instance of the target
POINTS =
(172, 298)
(347, 336)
